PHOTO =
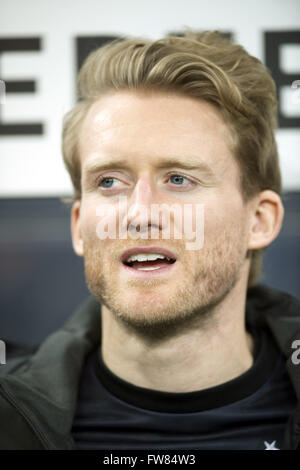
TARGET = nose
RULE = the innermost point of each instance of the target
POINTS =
(142, 198)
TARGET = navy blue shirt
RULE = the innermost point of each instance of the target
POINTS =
(248, 412)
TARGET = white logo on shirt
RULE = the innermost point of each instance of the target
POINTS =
(270, 446)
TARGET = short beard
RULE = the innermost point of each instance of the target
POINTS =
(164, 326)
(194, 303)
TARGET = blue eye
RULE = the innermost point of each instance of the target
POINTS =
(178, 179)
(104, 180)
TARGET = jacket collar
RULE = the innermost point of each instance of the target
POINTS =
(280, 312)
(45, 387)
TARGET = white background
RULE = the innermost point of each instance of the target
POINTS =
(32, 165)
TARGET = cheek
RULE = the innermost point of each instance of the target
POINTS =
(224, 218)
(88, 223)
(99, 224)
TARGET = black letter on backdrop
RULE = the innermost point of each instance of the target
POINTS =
(20, 86)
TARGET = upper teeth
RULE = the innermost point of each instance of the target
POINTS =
(146, 257)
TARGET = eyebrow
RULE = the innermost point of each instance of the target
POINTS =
(186, 163)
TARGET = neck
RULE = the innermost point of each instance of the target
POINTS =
(193, 360)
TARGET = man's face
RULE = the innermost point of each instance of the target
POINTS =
(148, 132)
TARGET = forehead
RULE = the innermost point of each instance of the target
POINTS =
(145, 126)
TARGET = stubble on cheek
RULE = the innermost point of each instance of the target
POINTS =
(94, 268)
(220, 266)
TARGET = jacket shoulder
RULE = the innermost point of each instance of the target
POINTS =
(16, 355)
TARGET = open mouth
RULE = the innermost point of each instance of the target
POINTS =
(150, 265)
(148, 259)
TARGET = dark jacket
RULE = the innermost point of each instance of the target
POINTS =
(38, 390)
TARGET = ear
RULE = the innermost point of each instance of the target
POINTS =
(267, 216)
(75, 229)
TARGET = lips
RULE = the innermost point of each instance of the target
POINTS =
(147, 249)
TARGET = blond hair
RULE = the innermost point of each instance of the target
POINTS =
(202, 65)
